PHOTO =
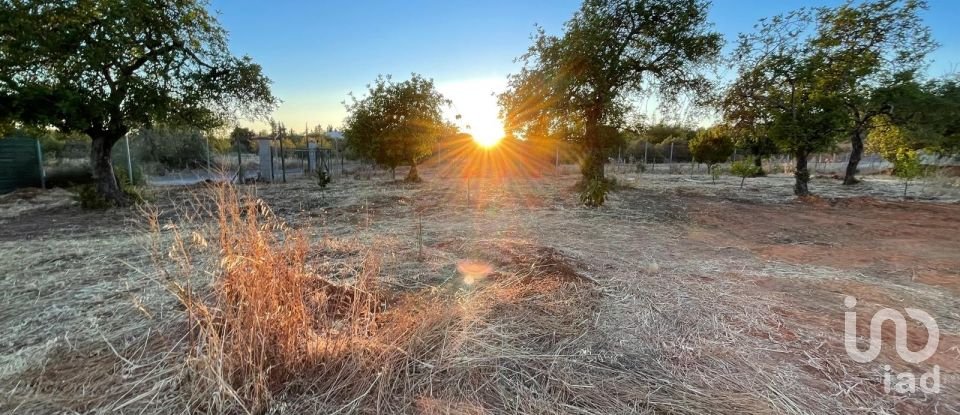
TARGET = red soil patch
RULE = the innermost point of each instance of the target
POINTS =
(906, 241)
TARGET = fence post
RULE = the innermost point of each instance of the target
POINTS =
(283, 164)
(239, 164)
(43, 175)
(671, 157)
(126, 138)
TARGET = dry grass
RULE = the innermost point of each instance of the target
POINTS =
(266, 334)
(325, 305)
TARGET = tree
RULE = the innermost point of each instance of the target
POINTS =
(243, 137)
(927, 112)
(397, 123)
(743, 109)
(780, 74)
(108, 67)
(611, 51)
(859, 48)
(712, 146)
(895, 145)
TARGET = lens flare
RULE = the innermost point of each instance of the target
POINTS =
(473, 270)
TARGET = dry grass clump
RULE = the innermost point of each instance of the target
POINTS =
(268, 334)
(260, 320)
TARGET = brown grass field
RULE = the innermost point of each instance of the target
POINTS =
(678, 296)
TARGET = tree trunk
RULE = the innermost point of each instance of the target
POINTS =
(802, 175)
(856, 154)
(103, 177)
(757, 160)
(592, 167)
(412, 175)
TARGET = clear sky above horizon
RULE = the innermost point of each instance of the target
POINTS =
(318, 52)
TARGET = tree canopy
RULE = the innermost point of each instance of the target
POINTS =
(858, 48)
(107, 67)
(712, 145)
(397, 123)
(779, 83)
(611, 52)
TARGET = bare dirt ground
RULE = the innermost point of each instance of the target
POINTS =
(728, 300)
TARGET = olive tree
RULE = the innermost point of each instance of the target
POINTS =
(108, 67)
(397, 123)
(611, 52)
(860, 47)
(712, 146)
(779, 72)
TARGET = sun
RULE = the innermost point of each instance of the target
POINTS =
(487, 141)
(487, 132)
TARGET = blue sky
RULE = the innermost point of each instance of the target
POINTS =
(317, 52)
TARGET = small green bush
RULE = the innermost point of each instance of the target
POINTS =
(88, 198)
(594, 192)
(745, 168)
(323, 178)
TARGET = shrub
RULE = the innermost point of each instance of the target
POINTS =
(89, 198)
(712, 146)
(594, 192)
(323, 178)
(745, 168)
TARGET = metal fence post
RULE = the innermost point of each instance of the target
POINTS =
(43, 175)
(126, 138)
(283, 164)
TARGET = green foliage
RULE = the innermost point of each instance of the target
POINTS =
(594, 192)
(111, 67)
(323, 178)
(894, 144)
(123, 177)
(712, 145)
(397, 123)
(173, 148)
(887, 139)
(745, 168)
(244, 138)
(90, 199)
(573, 86)
(780, 79)
(927, 113)
(659, 133)
(906, 164)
